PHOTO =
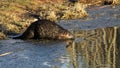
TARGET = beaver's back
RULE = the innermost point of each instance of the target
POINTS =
(49, 29)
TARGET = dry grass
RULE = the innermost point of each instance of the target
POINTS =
(14, 14)
(2, 36)
(116, 1)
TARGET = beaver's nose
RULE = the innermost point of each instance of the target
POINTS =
(70, 36)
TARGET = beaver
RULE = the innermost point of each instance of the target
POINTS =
(45, 29)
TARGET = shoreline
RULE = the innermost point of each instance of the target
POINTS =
(15, 18)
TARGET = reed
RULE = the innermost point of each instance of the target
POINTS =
(98, 50)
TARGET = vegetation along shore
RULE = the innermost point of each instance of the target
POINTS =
(15, 14)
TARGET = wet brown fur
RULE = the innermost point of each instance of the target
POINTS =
(44, 29)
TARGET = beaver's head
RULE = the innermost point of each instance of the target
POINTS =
(66, 35)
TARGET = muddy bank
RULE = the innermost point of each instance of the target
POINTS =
(14, 20)
(15, 16)
(99, 17)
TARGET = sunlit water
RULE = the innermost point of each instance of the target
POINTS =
(97, 48)
(96, 45)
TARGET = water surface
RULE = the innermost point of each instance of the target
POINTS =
(96, 45)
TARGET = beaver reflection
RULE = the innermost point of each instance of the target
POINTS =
(45, 29)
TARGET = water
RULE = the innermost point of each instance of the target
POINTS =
(96, 45)
(97, 48)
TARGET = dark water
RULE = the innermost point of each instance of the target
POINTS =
(96, 48)
(96, 45)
